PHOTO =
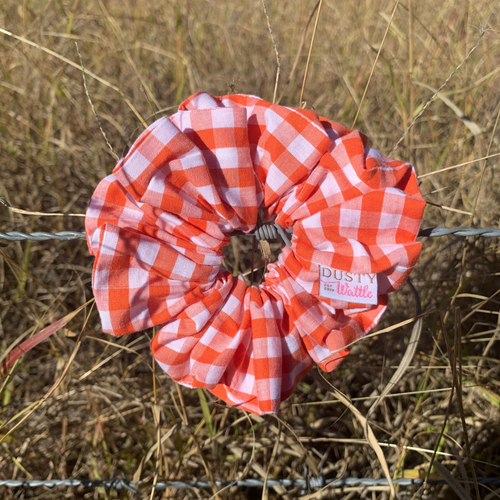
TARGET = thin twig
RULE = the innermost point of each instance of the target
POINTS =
(406, 359)
(5, 203)
(369, 435)
(74, 65)
(278, 63)
(458, 357)
(116, 157)
(450, 209)
(483, 170)
(401, 139)
(250, 462)
(299, 51)
(375, 63)
(451, 356)
(465, 246)
(410, 74)
(149, 101)
(457, 166)
(157, 420)
(253, 259)
(265, 491)
(28, 411)
(309, 55)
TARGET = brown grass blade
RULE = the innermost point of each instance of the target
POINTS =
(96, 116)
(74, 65)
(265, 491)
(458, 383)
(119, 36)
(408, 355)
(451, 356)
(5, 203)
(454, 484)
(109, 358)
(471, 125)
(39, 337)
(458, 166)
(375, 63)
(299, 51)
(449, 209)
(309, 55)
(369, 434)
(384, 330)
(299, 447)
(275, 47)
(145, 459)
(27, 412)
(250, 463)
(401, 139)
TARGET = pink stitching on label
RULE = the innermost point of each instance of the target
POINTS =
(359, 288)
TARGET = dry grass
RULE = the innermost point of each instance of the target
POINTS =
(111, 409)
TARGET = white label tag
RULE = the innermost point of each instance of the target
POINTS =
(348, 287)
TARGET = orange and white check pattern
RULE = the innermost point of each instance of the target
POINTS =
(157, 226)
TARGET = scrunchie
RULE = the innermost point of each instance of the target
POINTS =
(157, 226)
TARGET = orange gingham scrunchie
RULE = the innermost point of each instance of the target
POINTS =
(157, 226)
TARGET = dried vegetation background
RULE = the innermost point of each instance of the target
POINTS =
(110, 409)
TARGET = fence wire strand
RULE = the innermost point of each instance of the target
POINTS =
(42, 236)
(263, 232)
(312, 483)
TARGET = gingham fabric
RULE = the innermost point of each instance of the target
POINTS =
(157, 226)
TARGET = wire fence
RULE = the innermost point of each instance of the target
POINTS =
(433, 232)
(267, 231)
(42, 236)
(310, 483)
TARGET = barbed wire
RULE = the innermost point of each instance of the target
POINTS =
(42, 236)
(312, 483)
(263, 232)
(268, 231)
(487, 232)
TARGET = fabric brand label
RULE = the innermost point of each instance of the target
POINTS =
(359, 288)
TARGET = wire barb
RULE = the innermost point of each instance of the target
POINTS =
(272, 232)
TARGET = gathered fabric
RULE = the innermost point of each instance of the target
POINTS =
(158, 224)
